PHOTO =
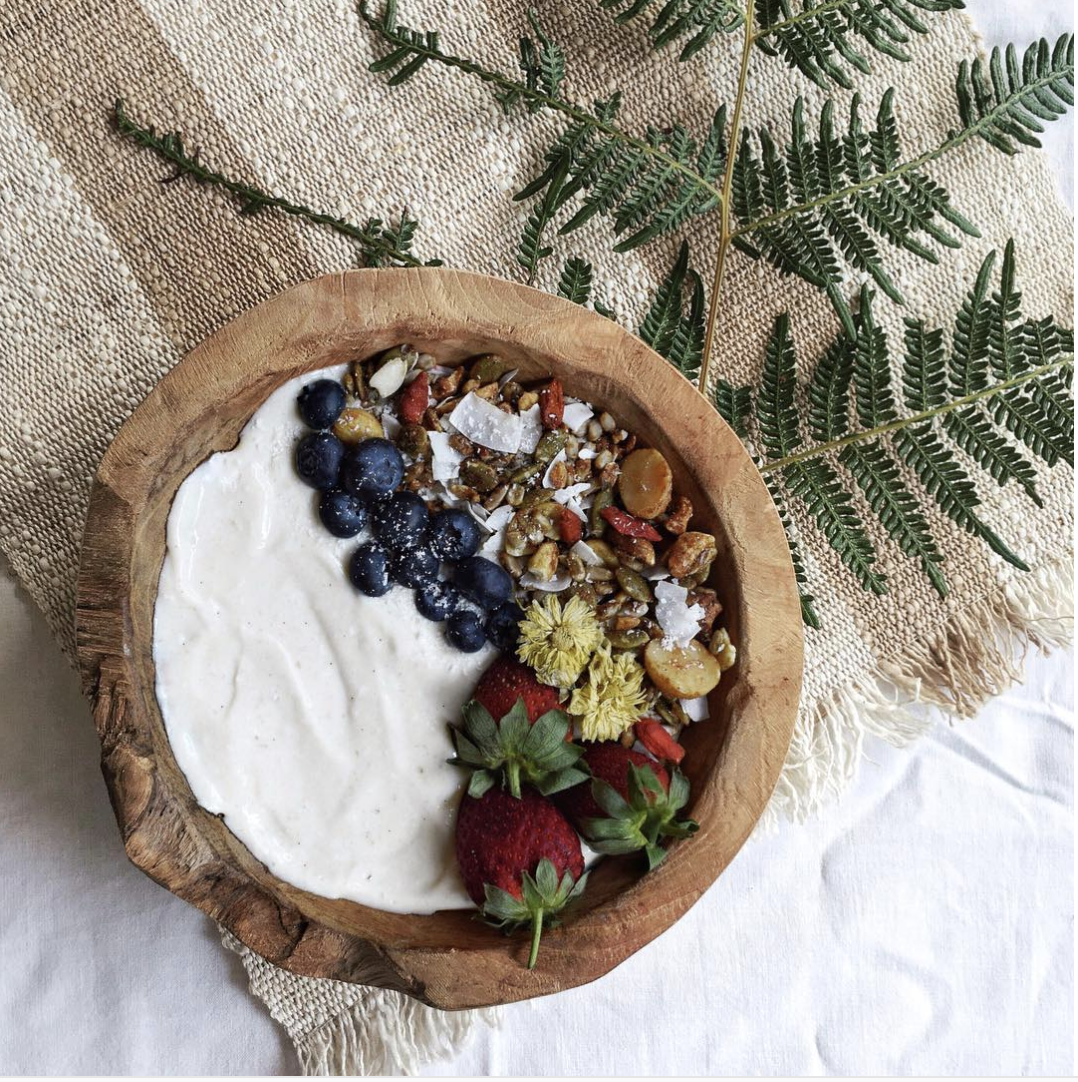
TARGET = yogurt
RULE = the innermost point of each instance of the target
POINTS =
(312, 718)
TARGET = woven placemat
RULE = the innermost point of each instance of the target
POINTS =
(108, 278)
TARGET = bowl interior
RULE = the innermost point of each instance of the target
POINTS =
(732, 759)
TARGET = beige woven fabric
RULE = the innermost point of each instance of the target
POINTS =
(107, 278)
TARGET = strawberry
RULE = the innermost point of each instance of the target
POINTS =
(551, 404)
(629, 526)
(609, 762)
(658, 741)
(520, 860)
(414, 399)
(514, 733)
(630, 803)
(508, 680)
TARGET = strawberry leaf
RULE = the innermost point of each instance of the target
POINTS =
(514, 753)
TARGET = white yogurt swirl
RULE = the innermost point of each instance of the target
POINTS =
(312, 718)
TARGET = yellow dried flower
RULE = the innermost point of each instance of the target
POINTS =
(613, 697)
(558, 641)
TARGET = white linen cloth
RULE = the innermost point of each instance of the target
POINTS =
(924, 926)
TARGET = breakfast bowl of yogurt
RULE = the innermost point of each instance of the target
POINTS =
(413, 597)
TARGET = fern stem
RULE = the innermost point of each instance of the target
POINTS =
(170, 149)
(956, 139)
(522, 90)
(725, 235)
(916, 418)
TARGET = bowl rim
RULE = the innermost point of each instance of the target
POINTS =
(169, 837)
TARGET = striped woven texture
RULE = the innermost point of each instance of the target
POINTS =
(107, 277)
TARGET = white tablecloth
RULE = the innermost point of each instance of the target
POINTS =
(924, 926)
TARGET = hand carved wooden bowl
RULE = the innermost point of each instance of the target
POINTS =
(447, 959)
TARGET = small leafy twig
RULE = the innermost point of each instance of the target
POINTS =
(377, 243)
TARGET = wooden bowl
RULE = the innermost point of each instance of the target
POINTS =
(447, 959)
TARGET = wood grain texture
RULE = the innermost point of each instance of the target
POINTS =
(446, 959)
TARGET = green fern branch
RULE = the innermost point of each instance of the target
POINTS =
(944, 393)
(819, 39)
(379, 245)
(703, 19)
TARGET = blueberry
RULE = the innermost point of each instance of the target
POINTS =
(438, 601)
(372, 468)
(400, 521)
(321, 402)
(503, 626)
(318, 459)
(465, 631)
(484, 581)
(414, 567)
(342, 514)
(369, 570)
(454, 534)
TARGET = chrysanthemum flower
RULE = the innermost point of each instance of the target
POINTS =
(557, 641)
(613, 697)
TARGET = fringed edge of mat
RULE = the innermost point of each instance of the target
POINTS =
(378, 1032)
(385, 1033)
(977, 654)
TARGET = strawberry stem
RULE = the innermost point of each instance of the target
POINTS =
(537, 932)
(512, 773)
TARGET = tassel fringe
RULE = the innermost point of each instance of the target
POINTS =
(976, 655)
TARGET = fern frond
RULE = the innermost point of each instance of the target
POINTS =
(703, 19)
(687, 346)
(532, 250)
(734, 405)
(377, 245)
(949, 485)
(895, 506)
(575, 282)
(950, 387)
(808, 609)
(1007, 100)
(813, 208)
(670, 330)
(924, 381)
(824, 40)
(814, 482)
(818, 486)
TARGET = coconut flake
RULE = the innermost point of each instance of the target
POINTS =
(653, 574)
(577, 415)
(555, 585)
(496, 522)
(587, 453)
(446, 462)
(559, 457)
(390, 425)
(483, 423)
(696, 709)
(680, 621)
(571, 492)
(586, 554)
(531, 430)
(567, 497)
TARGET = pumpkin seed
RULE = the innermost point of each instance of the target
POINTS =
(526, 473)
(413, 440)
(480, 475)
(549, 446)
(596, 523)
(630, 639)
(488, 368)
(633, 583)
